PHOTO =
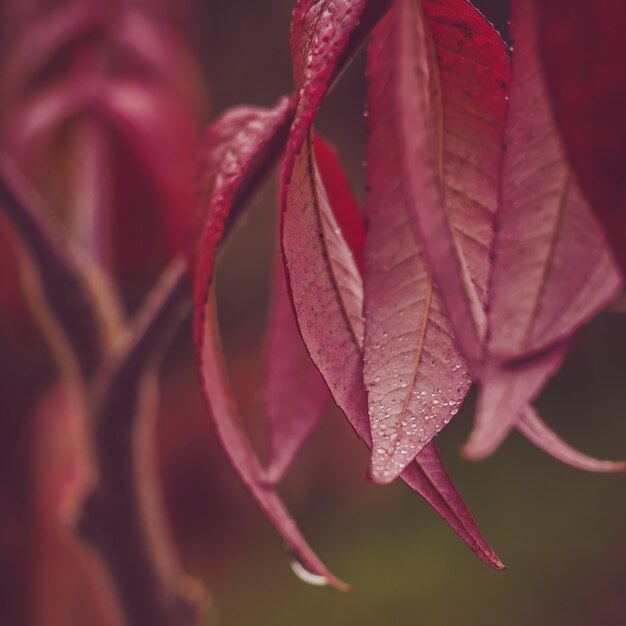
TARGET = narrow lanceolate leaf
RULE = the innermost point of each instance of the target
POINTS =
(415, 377)
(244, 144)
(296, 395)
(448, 78)
(552, 269)
(506, 389)
(582, 50)
(327, 296)
(324, 35)
(538, 433)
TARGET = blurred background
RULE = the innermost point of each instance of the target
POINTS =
(561, 532)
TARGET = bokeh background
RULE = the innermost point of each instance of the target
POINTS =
(561, 532)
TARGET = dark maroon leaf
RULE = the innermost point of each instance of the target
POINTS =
(238, 146)
(582, 48)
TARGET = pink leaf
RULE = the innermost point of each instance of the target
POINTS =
(239, 146)
(551, 267)
(538, 433)
(296, 395)
(448, 76)
(415, 377)
(582, 49)
(327, 295)
(506, 390)
(552, 270)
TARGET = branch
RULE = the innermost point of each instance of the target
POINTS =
(123, 517)
(60, 265)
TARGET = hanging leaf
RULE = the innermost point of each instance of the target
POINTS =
(582, 50)
(414, 374)
(552, 270)
(296, 395)
(448, 76)
(238, 147)
(327, 296)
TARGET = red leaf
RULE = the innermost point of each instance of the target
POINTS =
(296, 395)
(582, 49)
(538, 433)
(415, 377)
(552, 270)
(239, 145)
(448, 73)
(327, 296)
(506, 390)
(324, 34)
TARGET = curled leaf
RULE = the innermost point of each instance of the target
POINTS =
(240, 147)
(324, 34)
(536, 431)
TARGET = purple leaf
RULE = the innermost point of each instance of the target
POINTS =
(296, 395)
(239, 146)
(327, 295)
(448, 75)
(415, 377)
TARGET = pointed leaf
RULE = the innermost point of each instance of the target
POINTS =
(506, 391)
(533, 428)
(552, 269)
(327, 295)
(448, 76)
(296, 395)
(241, 145)
(582, 49)
(415, 377)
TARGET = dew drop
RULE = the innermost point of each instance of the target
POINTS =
(306, 576)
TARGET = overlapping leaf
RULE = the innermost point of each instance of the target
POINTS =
(415, 377)
(552, 270)
(445, 133)
(582, 50)
(448, 97)
(327, 295)
(239, 146)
